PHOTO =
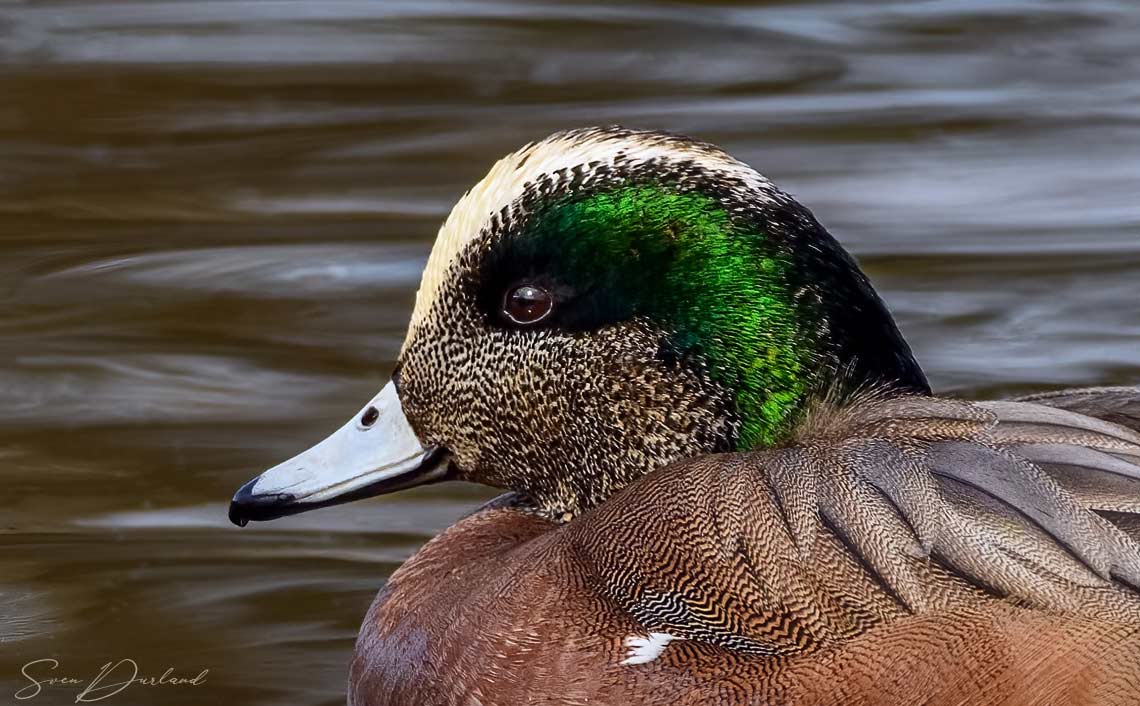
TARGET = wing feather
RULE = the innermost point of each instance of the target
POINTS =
(1007, 494)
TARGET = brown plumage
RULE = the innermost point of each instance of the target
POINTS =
(604, 317)
(863, 563)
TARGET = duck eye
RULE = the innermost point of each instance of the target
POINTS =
(527, 304)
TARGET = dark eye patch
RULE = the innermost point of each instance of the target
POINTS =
(584, 298)
(603, 249)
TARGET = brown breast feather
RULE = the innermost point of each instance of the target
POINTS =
(898, 552)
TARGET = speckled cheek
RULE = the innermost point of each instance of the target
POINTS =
(497, 399)
(441, 383)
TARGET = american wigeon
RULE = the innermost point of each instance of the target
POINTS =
(728, 480)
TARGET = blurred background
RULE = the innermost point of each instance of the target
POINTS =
(213, 217)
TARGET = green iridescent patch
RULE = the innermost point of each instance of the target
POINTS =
(716, 282)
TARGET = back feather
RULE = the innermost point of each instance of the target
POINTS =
(1007, 494)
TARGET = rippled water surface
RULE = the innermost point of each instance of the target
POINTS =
(213, 216)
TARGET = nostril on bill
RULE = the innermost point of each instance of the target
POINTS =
(370, 416)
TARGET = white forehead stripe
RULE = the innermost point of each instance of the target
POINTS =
(507, 180)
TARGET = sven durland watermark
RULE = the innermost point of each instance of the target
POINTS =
(44, 675)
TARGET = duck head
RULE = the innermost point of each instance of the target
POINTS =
(602, 303)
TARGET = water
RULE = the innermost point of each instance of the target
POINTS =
(213, 216)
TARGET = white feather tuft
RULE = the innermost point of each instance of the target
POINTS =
(643, 650)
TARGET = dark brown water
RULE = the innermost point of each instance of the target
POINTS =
(213, 216)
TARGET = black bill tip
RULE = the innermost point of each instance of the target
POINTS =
(247, 505)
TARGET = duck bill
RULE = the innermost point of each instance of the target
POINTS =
(374, 453)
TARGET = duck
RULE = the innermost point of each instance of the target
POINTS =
(726, 479)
